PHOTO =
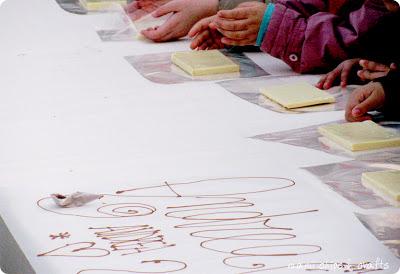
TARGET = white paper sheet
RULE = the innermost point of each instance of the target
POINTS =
(218, 225)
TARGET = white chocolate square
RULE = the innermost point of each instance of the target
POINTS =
(297, 95)
(385, 183)
(359, 136)
(98, 5)
(205, 62)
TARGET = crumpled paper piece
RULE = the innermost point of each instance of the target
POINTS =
(76, 199)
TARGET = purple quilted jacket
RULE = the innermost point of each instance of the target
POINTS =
(309, 38)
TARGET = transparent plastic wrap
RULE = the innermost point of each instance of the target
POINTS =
(72, 6)
(345, 179)
(309, 137)
(139, 9)
(385, 226)
(115, 25)
(159, 68)
(89, 6)
(249, 90)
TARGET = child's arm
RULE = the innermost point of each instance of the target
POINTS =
(309, 40)
(391, 85)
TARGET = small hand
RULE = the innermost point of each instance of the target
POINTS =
(342, 71)
(372, 70)
(391, 5)
(241, 25)
(364, 99)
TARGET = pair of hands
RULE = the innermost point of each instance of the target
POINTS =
(365, 98)
(185, 14)
(237, 27)
(228, 27)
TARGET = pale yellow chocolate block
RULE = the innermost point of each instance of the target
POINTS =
(383, 182)
(297, 95)
(98, 5)
(204, 62)
(361, 135)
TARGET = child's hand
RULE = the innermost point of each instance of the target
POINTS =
(204, 36)
(185, 14)
(369, 71)
(372, 70)
(391, 5)
(342, 71)
(363, 99)
(240, 26)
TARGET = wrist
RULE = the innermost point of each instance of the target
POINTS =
(212, 7)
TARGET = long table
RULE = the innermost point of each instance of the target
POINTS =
(75, 116)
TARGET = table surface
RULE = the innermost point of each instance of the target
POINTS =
(76, 116)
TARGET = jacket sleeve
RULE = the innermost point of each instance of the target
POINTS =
(231, 4)
(310, 39)
(391, 86)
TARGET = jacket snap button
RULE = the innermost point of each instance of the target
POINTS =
(293, 57)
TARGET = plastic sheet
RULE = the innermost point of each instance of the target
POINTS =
(114, 25)
(148, 21)
(72, 6)
(249, 90)
(158, 68)
(89, 6)
(139, 9)
(386, 228)
(345, 179)
(309, 137)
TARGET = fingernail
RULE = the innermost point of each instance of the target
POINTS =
(356, 112)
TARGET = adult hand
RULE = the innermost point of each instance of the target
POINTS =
(140, 8)
(205, 37)
(185, 14)
(363, 99)
(241, 25)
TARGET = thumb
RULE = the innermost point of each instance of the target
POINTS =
(370, 101)
(165, 9)
(200, 26)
